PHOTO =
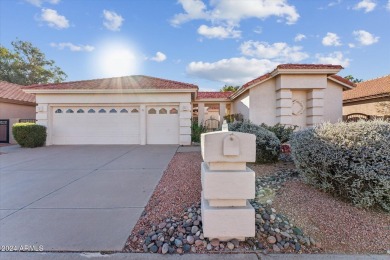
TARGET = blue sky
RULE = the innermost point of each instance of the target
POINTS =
(206, 42)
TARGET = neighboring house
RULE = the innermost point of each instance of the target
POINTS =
(367, 97)
(15, 104)
(147, 110)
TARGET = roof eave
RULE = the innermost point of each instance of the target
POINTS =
(346, 86)
(18, 102)
(212, 100)
(107, 91)
(383, 95)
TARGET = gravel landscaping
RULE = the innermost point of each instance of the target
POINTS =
(290, 216)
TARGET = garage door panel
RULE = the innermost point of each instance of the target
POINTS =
(96, 128)
(162, 125)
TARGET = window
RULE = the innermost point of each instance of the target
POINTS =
(102, 111)
(163, 111)
(124, 111)
(58, 111)
(152, 111)
(173, 111)
(80, 111)
(70, 111)
(113, 110)
(91, 111)
(134, 110)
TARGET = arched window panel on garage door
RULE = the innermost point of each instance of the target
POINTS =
(80, 111)
(102, 111)
(152, 111)
(113, 111)
(70, 111)
(163, 111)
(173, 111)
(124, 111)
(134, 110)
(91, 111)
(58, 111)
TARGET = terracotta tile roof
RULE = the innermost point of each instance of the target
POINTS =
(127, 82)
(344, 80)
(370, 88)
(261, 78)
(13, 92)
(308, 66)
(205, 95)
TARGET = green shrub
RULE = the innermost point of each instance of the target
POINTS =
(349, 160)
(233, 117)
(196, 131)
(267, 144)
(29, 134)
(282, 132)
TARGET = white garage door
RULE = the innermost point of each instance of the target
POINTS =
(96, 125)
(162, 125)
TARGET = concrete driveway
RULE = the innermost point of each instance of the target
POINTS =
(76, 198)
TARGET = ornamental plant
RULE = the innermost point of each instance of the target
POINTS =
(29, 134)
(267, 144)
(348, 160)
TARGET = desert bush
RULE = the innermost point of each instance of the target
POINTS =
(196, 131)
(349, 160)
(29, 134)
(283, 132)
(267, 144)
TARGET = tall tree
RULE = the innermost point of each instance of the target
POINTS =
(229, 88)
(27, 65)
(353, 79)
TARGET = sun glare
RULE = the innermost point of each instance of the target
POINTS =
(115, 59)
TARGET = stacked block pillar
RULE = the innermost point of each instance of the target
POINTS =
(284, 106)
(315, 107)
(227, 184)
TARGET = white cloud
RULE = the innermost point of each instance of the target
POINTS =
(235, 71)
(279, 51)
(335, 58)
(331, 39)
(232, 12)
(388, 5)
(367, 5)
(351, 45)
(40, 2)
(72, 47)
(218, 32)
(365, 38)
(299, 37)
(112, 20)
(53, 19)
(159, 57)
(337, 2)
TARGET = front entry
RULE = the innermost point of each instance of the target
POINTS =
(4, 131)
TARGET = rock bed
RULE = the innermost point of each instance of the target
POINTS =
(184, 234)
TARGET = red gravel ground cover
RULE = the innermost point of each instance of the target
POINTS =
(178, 189)
(337, 225)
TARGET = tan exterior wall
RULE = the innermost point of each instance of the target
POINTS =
(301, 81)
(241, 105)
(263, 103)
(368, 107)
(9, 110)
(333, 102)
(14, 112)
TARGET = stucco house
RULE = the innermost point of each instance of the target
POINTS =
(147, 110)
(15, 104)
(367, 96)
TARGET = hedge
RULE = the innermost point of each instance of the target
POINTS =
(29, 134)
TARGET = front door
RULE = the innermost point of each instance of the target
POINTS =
(4, 131)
